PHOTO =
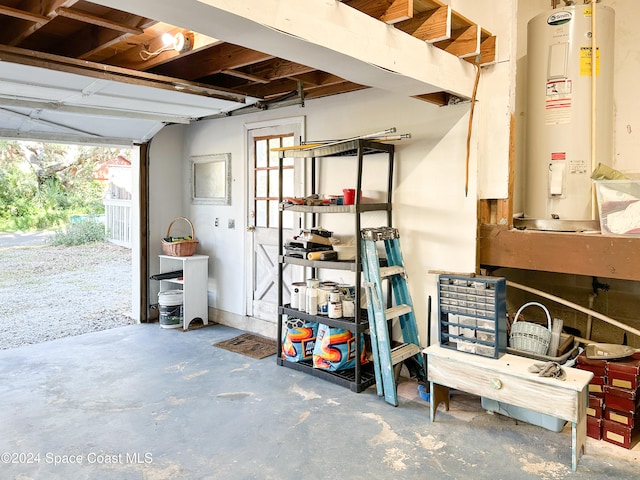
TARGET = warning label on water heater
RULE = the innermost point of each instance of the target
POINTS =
(558, 102)
(585, 61)
(577, 167)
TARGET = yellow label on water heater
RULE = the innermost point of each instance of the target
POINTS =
(585, 61)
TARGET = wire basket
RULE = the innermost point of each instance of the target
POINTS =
(530, 337)
(182, 248)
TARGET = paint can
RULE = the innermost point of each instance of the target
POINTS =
(170, 306)
(335, 310)
(348, 308)
(298, 295)
(323, 299)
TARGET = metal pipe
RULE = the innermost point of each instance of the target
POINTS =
(594, 100)
(592, 297)
(575, 306)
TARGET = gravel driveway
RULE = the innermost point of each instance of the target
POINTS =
(53, 292)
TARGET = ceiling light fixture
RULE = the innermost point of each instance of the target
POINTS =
(180, 42)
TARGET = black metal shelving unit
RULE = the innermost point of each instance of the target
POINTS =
(361, 377)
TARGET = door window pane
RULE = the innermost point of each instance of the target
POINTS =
(273, 213)
(261, 183)
(261, 153)
(261, 213)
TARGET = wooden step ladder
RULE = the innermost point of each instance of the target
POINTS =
(386, 357)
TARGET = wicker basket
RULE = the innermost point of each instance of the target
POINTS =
(530, 337)
(183, 248)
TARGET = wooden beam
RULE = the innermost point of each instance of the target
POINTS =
(23, 15)
(438, 98)
(100, 22)
(245, 76)
(484, 212)
(211, 61)
(399, 10)
(464, 42)
(100, 46)
(487, 51)
(318, 79)
(431, 26)
(15, 32)
(133, 57)
(560, 252)
(333, 89)
(116, 74)
(277, 68)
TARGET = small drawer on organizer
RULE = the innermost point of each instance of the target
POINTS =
(486, 324)
(486, 336)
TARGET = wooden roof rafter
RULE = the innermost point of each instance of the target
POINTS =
(41, 14)
(436, 23)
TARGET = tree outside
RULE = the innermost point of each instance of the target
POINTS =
(42, 185)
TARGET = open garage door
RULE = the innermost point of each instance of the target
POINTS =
(97, 106)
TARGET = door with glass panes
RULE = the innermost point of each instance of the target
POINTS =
(263, 215)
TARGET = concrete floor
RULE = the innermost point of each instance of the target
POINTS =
(141, 402)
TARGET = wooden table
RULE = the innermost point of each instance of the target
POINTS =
(508, 380)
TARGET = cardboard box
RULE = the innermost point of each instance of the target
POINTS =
(621, 399)
(583, 360)
(595, 407)
(628, 381)
(629, 419)
(619, 434)
(596, 386)
(594, 428)
(597, 367)
(631, 366)
(624, 374)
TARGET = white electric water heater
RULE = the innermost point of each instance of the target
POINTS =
(560, 103)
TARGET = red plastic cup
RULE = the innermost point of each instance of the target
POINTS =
(349, 196)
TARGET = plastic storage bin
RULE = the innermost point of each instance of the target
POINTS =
(619, 206)
(524, 414)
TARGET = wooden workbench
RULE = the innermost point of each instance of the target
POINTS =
(508, 380)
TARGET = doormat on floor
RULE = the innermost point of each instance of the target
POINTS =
(251, 345)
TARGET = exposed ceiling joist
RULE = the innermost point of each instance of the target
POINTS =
(23, 15)
(98, 21)
(264, 51)
(90, 69)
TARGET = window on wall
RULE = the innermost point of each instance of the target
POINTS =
(267, 181)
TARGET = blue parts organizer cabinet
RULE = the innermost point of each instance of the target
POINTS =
(473, 314)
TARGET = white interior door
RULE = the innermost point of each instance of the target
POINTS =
(263, 218)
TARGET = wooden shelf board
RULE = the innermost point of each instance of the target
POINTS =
(560, 252)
